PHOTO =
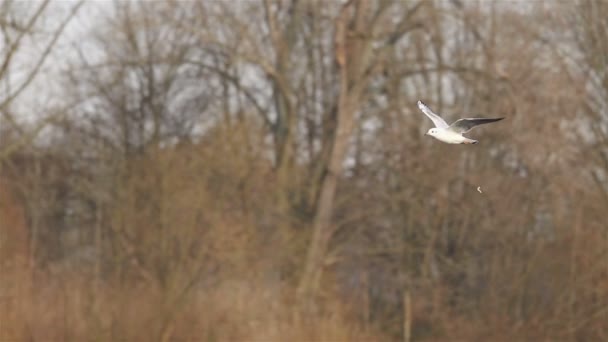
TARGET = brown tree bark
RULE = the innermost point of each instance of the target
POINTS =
(350, 54)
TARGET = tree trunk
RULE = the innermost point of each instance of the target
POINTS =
(349, 97)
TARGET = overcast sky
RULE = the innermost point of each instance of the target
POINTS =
(45, 89)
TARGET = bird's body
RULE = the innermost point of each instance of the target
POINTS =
(450, 137)
(452, 134)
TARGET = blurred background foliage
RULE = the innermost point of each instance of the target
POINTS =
(257, 170)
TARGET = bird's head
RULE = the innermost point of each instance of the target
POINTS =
(431, 132)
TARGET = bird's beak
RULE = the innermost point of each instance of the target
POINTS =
(426, 134)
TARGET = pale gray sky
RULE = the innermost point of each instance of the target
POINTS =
(45, 89)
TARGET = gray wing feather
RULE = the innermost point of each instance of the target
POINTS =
(437, 120)
(465, 125)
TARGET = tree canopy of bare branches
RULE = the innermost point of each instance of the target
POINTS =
(257, 170)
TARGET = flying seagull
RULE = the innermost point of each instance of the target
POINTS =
(452, 134)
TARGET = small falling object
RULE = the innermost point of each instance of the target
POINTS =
(479, 190)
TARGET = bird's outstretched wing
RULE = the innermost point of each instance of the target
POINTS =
(437, 120)
(465, 125)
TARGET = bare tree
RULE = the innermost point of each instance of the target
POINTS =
(16, 24)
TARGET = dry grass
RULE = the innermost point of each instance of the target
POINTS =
(70, 307)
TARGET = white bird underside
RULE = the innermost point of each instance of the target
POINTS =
(450, 137)
(452, 134)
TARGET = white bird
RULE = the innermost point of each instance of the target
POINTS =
(452, 134)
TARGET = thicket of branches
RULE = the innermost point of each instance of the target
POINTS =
(257, 170)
